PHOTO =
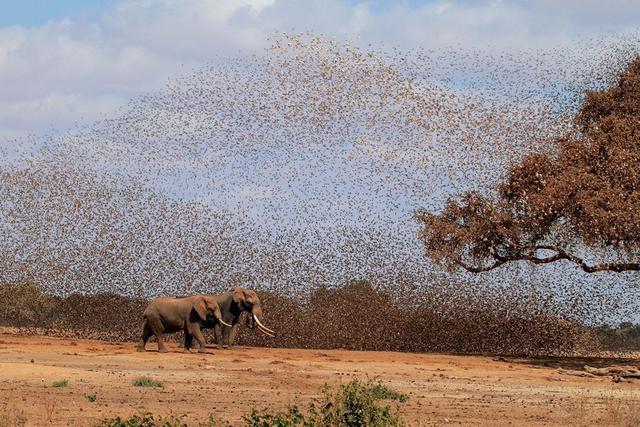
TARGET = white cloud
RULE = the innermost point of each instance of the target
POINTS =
(71, 70)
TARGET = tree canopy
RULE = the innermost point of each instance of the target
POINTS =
(579, 201)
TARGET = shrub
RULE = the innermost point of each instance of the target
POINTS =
(147, 382)
(356, 403)
(353, 404)
(143, 420)
(61, 383)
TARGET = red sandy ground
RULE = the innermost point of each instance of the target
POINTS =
(443, 389)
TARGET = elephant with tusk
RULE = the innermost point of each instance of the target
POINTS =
(233, 304)
(168, 314)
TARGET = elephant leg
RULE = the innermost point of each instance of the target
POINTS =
(197, 334)
(232, 334)
(146, 334)
(217, 335)
(158, 329)
(193, 330)
(225, 336)
(187, 340)
(161, 347)
(196, 343)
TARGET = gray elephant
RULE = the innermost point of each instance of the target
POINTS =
(168, 314)
(233, 304)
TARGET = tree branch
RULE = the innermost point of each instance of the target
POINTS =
(560, 254)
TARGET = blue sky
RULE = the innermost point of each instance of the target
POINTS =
(64, 62)
(31, 13)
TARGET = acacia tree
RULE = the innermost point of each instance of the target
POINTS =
(582, 193)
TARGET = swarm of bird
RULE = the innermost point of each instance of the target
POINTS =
(295, 172)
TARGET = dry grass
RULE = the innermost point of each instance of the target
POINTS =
(623, 411)
(50, 406)
(12, 417)
(611, 409)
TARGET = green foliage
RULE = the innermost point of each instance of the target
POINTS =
(143, 420)
(147, 382)
(291, 418)
(380, 391)
(214, 421)
(90, 397)
(353, 404)
(61, 383)
(147, 419)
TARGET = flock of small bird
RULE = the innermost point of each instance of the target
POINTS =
(299, 168)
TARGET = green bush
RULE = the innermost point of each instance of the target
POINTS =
(353, 404)
(147, 419)
(293, 417)
(147, 382)
(61, 383)
(143, 420)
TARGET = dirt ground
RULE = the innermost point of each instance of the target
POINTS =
(443, 389)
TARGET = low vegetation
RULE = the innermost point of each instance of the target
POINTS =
(147, 382)
(146, 419)
(61, 383)
(357, 403)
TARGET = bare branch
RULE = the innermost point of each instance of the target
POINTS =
(560, 254)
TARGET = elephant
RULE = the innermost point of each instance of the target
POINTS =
(169, 314)
(233, 304)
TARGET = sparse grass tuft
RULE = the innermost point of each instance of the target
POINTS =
(147, 382)
(61, 383)
(90, 397)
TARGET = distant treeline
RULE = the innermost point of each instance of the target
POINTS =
(351, 316)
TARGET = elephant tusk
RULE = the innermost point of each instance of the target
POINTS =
(225, 323)
(265, 332)
(262, 326)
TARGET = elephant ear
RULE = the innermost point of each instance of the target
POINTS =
(213, 306)
(239, 295)
(200, 306)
